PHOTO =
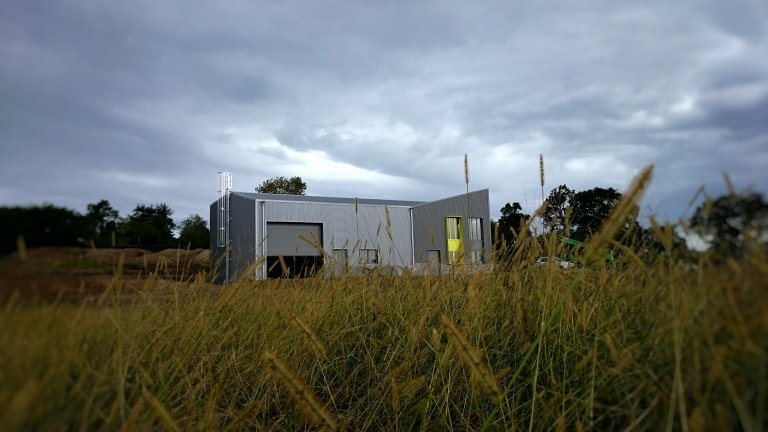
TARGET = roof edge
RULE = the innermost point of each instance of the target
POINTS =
(486, 190)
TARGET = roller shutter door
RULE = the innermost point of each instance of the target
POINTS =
(288, 239)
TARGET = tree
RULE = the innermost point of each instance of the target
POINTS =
(510, 223)
(45, 225)
(556, 215)
(657, 241)
(103, 219)
(590, 208)
(194, 233)
(150, 226)
(284, 186)
(732, 220)
(578, 215)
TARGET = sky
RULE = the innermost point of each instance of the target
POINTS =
(145, 101)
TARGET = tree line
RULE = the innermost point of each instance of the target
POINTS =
(147, 227)
(729, 224)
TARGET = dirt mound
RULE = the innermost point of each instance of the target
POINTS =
(203, 257)
(114, 254)
(173, 255)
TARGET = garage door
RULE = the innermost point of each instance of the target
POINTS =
(293, 239)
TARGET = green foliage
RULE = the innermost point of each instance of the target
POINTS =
(103, 219)
(149, 226)
(556, 215)
(510, 223)
(650, 241)
(590, 209)
(579, 215)
(732, 221)
(194, 233)
(284, 186)
(45, 225)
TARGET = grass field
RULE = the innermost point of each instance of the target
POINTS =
(652, 342)
(663, 346)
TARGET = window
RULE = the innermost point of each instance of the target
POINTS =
(340, 256)
(369, 256)
(453, 228)
(476, 229)
(476, 240)
(453, 235)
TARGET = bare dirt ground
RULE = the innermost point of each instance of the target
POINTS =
(75, 274)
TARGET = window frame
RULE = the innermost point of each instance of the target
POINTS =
(476, 238)
(365, 253)
(345, 261)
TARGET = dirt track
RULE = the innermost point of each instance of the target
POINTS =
(72, 274)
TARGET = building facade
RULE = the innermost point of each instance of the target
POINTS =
(259, 235)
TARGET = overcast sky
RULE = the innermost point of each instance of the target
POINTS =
(144, 101)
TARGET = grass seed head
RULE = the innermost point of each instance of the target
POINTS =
(21, 247)
(466, 169)
(311, 337)
(481, 375)
(303, 398)
(621, 212)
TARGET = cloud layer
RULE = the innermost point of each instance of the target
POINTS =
(144, 102)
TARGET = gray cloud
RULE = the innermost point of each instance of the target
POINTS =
(144, 102)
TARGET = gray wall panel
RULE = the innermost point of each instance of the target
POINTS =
(242, 212)
(217, 271)
(429, 223)
(343, 228)
(242, 238)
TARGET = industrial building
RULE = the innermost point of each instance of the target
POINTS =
(259, 235)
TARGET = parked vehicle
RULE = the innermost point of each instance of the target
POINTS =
(544, 261)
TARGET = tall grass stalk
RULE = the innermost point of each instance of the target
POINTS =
(466, 224)
(473, 358)
(303, 398)
(541, 175)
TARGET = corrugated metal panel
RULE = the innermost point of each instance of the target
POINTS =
(368, 228)
(217, 271)
(242, 238)
(242, 212)
(429, 223)
(294, 239)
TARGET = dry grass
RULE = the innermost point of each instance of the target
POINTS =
(643, 345)
(663, 346)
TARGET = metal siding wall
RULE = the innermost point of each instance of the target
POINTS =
(217, 271)
(242, 212)
(484, 200)
(429, 223)
(341, 226)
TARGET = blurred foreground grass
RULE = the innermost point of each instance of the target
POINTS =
(643, 345)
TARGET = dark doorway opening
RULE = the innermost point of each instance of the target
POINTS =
(295, 266)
